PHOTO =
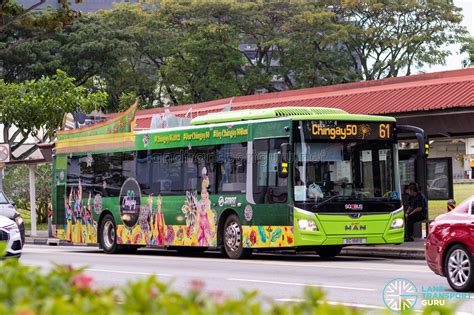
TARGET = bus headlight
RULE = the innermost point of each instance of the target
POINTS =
(397, 223)
(307, 225)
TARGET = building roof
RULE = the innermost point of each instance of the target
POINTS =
(392, 96)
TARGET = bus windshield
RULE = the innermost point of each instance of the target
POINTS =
(347, 170)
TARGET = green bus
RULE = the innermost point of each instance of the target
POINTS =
(296, 178)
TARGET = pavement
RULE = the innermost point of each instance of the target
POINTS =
(352, 281)
(410, 250)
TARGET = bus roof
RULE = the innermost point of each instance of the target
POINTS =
(295, 113)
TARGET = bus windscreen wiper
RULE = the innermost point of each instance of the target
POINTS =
(315, 207)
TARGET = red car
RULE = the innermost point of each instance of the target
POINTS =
(450, 246)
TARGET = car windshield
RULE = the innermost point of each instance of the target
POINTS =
(326, 171)
(465, 207)
(3, 198)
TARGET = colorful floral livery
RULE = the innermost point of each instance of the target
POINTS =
(293, 178)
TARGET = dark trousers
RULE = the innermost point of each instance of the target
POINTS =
(410, 222)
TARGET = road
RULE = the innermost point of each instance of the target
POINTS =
(351, 281)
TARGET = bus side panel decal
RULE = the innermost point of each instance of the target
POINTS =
(151, 228)
(267, 236)
(80, 225)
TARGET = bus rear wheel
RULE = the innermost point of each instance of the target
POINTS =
(329, 251)
(108, 237)
(233, 239)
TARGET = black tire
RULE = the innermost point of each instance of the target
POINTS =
(329, 251)
(459, 269)
(233, 239)
(108, 237)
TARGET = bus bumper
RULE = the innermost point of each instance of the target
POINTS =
(343, 230)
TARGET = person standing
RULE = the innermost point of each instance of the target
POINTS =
(417, 210)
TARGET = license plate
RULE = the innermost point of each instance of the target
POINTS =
(352, 241)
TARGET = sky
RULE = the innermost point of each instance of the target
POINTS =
(454, 61)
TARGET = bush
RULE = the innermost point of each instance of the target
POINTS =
(24, 290)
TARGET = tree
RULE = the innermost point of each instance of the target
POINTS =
(16, 184)
(35, 108)
(468, 48)
(292, 44)
(312, 54)
(198, 64)
(19, 25)
(391, 37)
(190, 51)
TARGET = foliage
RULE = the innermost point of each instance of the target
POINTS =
(19, 25)
(16, 184)
(187, 51)
(37, 107)
(468, 48)
(393, 36)
(64, 290)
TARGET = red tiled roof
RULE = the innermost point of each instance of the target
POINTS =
(422, 92)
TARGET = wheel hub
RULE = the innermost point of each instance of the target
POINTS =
(459, 267)
(109, 234)
(233, 237)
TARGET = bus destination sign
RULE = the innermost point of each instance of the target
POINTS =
(349, 130)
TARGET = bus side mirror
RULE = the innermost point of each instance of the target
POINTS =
(423, 145)
(283, 160)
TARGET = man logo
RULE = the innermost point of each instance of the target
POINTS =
(355, 227)
(400, 295)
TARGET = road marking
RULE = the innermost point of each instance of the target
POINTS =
(303, 284)
(114, 271)
(356, 305)
(335, 303)
(130, 272)
(354, 265)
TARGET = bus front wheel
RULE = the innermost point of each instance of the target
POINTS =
(233, 239)
(329, 251)
(108, 237)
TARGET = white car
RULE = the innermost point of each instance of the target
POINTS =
(10, 233)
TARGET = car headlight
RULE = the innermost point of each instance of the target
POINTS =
(19, 220)
(307, 225)
(397, 223)
(11, 228)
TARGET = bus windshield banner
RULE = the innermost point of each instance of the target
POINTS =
(348, 130)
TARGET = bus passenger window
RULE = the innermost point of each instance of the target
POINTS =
(268, 187)
(204, 159)
(144, 171)
(168, 169)
(232, 166)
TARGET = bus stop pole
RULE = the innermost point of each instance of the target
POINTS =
(32, 169)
